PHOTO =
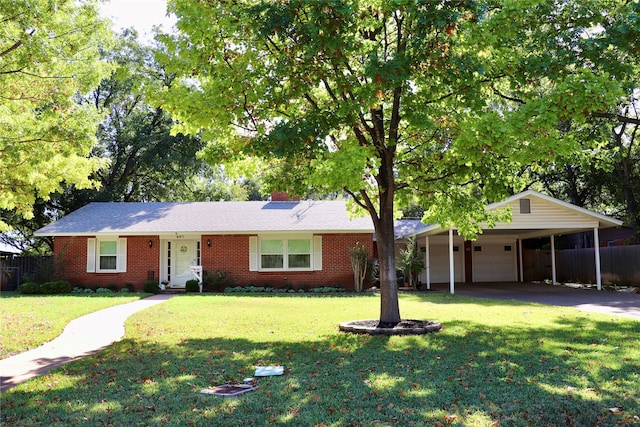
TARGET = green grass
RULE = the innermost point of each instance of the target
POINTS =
(27, 321)
(494, 363)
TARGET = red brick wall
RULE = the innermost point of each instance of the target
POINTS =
(231, 254)
(142, 262)
(227, 252)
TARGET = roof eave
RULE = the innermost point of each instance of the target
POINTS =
(206, 232)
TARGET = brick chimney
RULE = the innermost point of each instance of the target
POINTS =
(281, 196)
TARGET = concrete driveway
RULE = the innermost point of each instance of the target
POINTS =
(615, 303)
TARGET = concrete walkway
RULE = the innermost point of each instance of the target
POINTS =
(614, 303)
(83, 336)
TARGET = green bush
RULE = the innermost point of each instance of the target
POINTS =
(192, 286)
(56, 287)
(29, 288)
(303, 288)
(113, 287)
(46, 288)
(216, 281)
(251, 289)
(328, 289)
(151, 287)
(129, 287)
(104, 291)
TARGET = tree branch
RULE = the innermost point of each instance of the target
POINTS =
(508, 98)
(618, 117)
(15, 45)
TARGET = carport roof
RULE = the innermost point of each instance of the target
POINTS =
(546, 215)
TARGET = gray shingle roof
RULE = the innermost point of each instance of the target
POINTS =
(404, 228)
(207, 217)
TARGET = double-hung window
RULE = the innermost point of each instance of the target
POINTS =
(299, 253)
(106, 255)
(272, 254)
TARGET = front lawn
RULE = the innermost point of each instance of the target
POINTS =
(494, 363)
(28, 321)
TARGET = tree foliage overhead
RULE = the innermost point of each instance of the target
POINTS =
(604, 173)
(145, 162)
(439, 103)
(49, 55)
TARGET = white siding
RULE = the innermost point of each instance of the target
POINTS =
(546, 215)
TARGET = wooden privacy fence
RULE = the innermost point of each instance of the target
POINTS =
(618, 264)
(14, 270)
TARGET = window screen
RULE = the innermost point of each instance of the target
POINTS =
(108, 255)
(272, 253)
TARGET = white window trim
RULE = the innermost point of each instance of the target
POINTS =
(93, 255)
(315, 252)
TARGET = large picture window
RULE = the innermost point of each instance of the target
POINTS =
(285, 254)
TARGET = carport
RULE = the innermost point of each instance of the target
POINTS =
(497, 254)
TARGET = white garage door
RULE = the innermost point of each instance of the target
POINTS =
(494, 262)
(439, 264)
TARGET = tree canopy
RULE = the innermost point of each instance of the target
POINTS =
(49, 55)
(144, 161)
(443, 104)
(603, 174)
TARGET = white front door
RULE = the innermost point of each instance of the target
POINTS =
(183, 256)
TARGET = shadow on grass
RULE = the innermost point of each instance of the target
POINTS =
(469, 374)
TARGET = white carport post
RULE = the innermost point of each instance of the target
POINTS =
(426, 262)
(596, 246)
(553, 259)
(451, 269)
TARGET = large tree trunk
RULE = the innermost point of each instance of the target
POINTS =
(389, 309)
(385, 237)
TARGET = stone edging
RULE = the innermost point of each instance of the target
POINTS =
(406, 327)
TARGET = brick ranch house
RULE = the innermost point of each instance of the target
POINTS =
(282, 242)
(257, 242)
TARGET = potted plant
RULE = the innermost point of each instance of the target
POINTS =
(193, 285)
(411, 262)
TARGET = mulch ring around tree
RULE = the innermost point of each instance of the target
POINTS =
(404, 327)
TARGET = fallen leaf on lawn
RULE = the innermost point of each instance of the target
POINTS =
(616, 410)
